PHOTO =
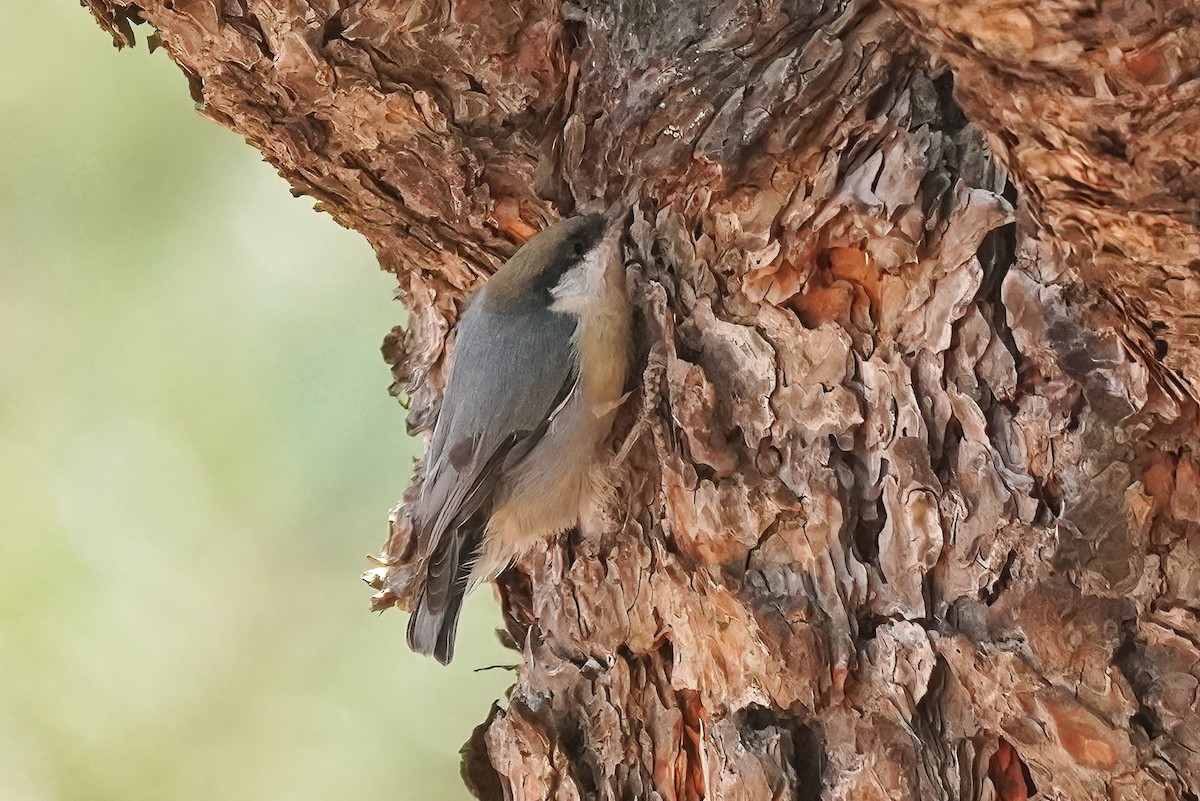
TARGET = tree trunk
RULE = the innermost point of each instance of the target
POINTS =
(912, 510)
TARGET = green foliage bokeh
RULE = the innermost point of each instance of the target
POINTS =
(197, 451)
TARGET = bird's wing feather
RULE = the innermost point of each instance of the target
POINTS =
(521, 369)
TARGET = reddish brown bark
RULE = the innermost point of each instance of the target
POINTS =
(916, 512)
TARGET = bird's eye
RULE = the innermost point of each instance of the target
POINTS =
(578, 248)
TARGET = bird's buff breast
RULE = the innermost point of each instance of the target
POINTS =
(546, 493)
(560, 477)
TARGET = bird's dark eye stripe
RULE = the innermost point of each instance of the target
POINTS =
(579, 247)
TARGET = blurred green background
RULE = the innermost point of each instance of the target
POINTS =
(197, 451)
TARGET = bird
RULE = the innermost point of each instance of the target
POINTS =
(537, 374)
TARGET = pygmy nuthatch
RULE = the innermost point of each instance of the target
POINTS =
(537, 374)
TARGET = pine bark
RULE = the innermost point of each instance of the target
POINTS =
(912, 508)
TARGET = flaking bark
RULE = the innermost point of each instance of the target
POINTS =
(913, 512)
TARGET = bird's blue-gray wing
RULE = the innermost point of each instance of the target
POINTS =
(510, 372)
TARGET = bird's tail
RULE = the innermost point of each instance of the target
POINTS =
(432, 627)
(432, 632)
